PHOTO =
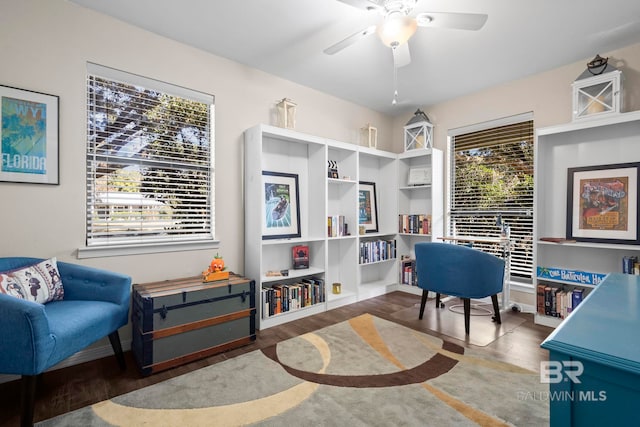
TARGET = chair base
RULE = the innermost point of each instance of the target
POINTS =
(466, 302)
(114, 339)
(27, 399)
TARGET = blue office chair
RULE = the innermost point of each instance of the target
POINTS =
(459, 271)
(35, 336)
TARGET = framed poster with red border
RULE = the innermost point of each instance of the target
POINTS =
(603, 204)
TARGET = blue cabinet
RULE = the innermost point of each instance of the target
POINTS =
(594, 358)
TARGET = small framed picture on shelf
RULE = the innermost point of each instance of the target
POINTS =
(368, 207)
(29, 136)
(419, 176)
(602, 204)
(280, 205)
(332, 169)
(300, 254)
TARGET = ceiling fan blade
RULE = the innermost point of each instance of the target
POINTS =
(350, 40)
(364, 4)
(458, 21)
(401, 55)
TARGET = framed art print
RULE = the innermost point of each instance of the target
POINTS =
(368, 207)
(28, 136)
(280, 205)
(602, 204)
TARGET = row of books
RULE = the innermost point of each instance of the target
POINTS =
(630, 265)
(408, 274)
(377, 250)
(336, 226)
(414, 224)
(282, 298)
(558, 302)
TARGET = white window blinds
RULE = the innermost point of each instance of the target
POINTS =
(149, 161)
(492, 179)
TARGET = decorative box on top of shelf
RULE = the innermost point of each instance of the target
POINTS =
(597, 92)
(418, 132)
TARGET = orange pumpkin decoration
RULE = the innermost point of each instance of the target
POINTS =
(217, 264)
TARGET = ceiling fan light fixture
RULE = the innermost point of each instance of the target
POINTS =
(397, 29)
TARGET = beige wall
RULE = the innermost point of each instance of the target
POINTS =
(45, 45)
(547, 95)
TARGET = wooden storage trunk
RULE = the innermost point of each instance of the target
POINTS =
(178, 321)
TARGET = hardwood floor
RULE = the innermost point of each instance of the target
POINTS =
(77, 386)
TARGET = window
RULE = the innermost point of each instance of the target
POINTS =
(491, 182)
(149, 163)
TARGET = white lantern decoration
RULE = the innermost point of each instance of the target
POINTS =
(369, 136)
(418, 132)
(286, 113)
(597, 91)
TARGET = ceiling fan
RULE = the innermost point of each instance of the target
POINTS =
(398, 25)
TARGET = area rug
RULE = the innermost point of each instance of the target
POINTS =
(363, 372)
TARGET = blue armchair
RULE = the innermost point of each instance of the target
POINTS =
(459, 271)
(34, 337)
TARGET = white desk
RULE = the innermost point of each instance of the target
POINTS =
(505, 245)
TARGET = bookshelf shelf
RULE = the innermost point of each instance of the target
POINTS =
(382, 261)
(342, 237)
(552, 322)
(414, 187)
(341, 181)
(564, 282)
(275, 242)
(343, 295)
(593, 245)
(293, 274)
(595, 142)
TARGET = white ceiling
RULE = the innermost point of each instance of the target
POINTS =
(287, 38)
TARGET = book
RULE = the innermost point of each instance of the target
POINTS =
(540, 299)
(628, 264)
(576, 297)
(555, 304)
(547, 300)
(300, 257)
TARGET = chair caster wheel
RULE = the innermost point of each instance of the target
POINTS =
(515, 309)
(441, 305)
(493, 318)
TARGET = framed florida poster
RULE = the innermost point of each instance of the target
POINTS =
(602, 204)
(28, 136)
(280, 205)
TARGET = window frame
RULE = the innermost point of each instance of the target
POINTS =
(525, 281)
(138, 245)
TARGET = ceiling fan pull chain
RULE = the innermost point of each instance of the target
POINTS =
(395, 78)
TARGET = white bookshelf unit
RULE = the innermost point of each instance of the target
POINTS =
(605, 141)
(424, 198)
(379, 276)
(333, 257)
